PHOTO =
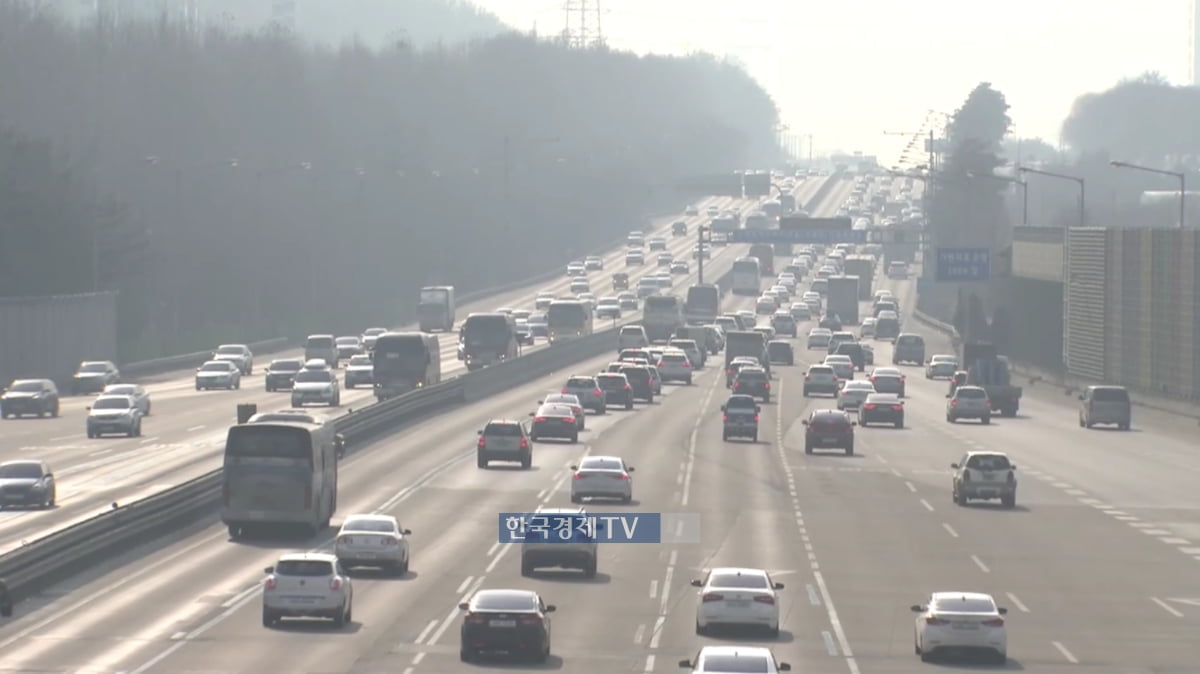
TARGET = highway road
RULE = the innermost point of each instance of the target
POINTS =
(185, 434)
(1094, 563)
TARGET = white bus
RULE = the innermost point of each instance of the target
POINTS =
(747, 277)
(278, 475)
(568, 319)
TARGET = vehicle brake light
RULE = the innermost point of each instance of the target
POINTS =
(474, 619)
(538, 420)
(564, 391)
(346, 540)
(872, 378)
(954, 403)
(269, 583)
(737, 384)
(756, 418)
(391, 541)
(335, 583)
(524, 443)
(627, 387)
(531, 620)
(765, 599)
(482, 443)
(869, 406)
(597, 393)
(578, 476)
(712, 597)
(994, 622)
(725, 417)
(934, 620)
(569, 420)
(988, 403)
(729, 371)
(686, 365)
(897, 407)
(767, 385)
(807, 377)
(622, 476)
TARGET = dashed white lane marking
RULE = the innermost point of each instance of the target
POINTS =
(911, 486)
(979, 562)
(425, 632)
(639, 634)
(193, 429)
(1065, 653)
(950, 530)
(1167, 607)
(649, 664)
(1012, 598)
(927, 504)
(1171, 540)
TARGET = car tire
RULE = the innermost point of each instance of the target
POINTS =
(700, 629)
(268, 618)
(589, 568)
(900, 424)
(850, 450)
(465, 655)
(481, 462)
(339, 620)
(629, 405)
(527, 569)
(725, 437)
(987, 419)
(754, 438)
(808, 449)
(527, 462)
(1008, 501)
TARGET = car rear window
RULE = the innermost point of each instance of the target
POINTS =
(830, 420)
(988, 462)
(307, 568)
(581, 382)
(820, 370)
(1110, 395)
(740, 402)
(636, 373)
(737, 664)
(909, 340)
(752, 375)
(612, 381)
(629, 331)
(504, 602)
(964, 605)
(779, 347)
(749, 581)
(972, 393)
(674, 358)
(503, 430)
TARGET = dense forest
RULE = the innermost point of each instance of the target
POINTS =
(238, 186)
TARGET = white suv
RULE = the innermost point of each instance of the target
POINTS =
(579, 554)
(985, 476)
(969, 402)
(307, 584)
(675, 366)
(821, 379)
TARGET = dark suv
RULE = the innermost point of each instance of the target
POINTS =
(855, 351)
(829, 429)
(909, 348)
(754, 382)
(641, 381)
(741, 418)
(617, 389)
(281, 374)
(38, 397)
(504, 440)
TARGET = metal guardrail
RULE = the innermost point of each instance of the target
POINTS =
(184, 360)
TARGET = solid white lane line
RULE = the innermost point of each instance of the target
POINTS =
(193, 429)
(950, 530)
(1017, 602)
(1167, 607)
(1065, 653)
(453, 614)
(492, 550)
(911, 487)
(980, 564)
(656, 633)
(927, 505)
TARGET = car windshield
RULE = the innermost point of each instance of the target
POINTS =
(308, 568)
(93, 368)
(612, 381)
(368, 524)
(1110, 395)
(115, 403)
(581, 382)
(737, 664)
(820, 370)
(740, 580)
(506, 601)
(26, 387)
(882, 399)
(20, 471)
(858, 386)
(555, 411)
(972, 393)
(313, 376)
(215, 367)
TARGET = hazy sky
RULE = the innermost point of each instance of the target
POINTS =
(845, 71)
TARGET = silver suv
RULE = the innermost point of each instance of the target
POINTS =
(821, 379)
(504, 440)
(577, 554)
(969, 402)
(675, 365)
(985, 476)
(587, 389)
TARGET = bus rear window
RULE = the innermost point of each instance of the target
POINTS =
(261, 441)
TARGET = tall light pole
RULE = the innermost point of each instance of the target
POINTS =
(1024, 187)
(1178, 175)
(1062, 176)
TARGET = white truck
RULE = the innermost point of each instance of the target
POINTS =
(435, 308)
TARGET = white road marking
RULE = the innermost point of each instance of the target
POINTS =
(649, 664)
(656, 634)
(927, 505)
(1017, 602)
(100, 453)
(911, 486)
(1157, 532)
(492, 550)
(1170, 540)
(639, 634)
(462, 587)
(830, 646)
(146, 441)
(950, 530)
(193, 429)
(63, 438)
(654, 589)
(1190, 551)
(240, 596)
(813, 597)
(1065, 653)
(1167, 607)
(980, 564)
(425, 632)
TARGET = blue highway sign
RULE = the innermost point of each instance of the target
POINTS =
(798, 236)
(958, 265)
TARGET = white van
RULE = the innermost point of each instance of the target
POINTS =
(632, 337)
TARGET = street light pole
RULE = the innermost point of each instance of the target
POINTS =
(1075, 179)
(700, 240)
(1024, 186)
(1178, 175)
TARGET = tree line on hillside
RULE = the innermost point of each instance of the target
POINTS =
(245, 186)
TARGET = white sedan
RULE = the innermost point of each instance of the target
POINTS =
(941, 367)
(853, 394)
(375, 541)
(602, 477)
(725, 659)
(737, 596)
(960, 623)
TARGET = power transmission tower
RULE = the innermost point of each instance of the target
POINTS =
(581, 28)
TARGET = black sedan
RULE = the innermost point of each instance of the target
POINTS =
(515, 623)
(554, 420)
(881, 408)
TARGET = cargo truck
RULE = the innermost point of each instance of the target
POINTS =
(862, 266)
(842, 299)
(746, 343)
(989, 370)
(435, 308)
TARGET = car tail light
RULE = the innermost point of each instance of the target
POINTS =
(597, 393)
(872, 378)
(994, 622)
(474, 619)
(897, 407)
(725, 417)
(869, 406)
(530, 620)
(902, 379)
(391, 540)
(622, 476)
(737, 384)
(578, 476)
(538, 420)
(345, 540)
(308, 496)
(335, 583)
(765, 599)
(934, 620)
(686, 365)
(807, 377)
(954, 403)
(564, 391)
(712, 597)
(627, 387)
(835, 379)
(755, 418)
(988, 403)
(660, 364)
(569, 420)
(767, 385)
(269, 583)
(524, 443)
(729, 371)
(482, 443)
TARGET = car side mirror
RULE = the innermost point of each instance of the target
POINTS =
(88, 408)
(551, 608)
(947, 396)
(407, 532)
(785, 667)
(1081, 396)
(804, 422)
(630, 469)
(916, 608)
(697, 583)
(1013, 467)
(479, 432)
(954, 465)
(531, 414)
(541, 402)
(1002, 611)
(269, 569)
(574, 467)
(778, 586)
(722, 408)
(685, 663)
(463, 606)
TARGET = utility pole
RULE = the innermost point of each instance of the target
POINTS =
(581, 27)
(701, 241)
